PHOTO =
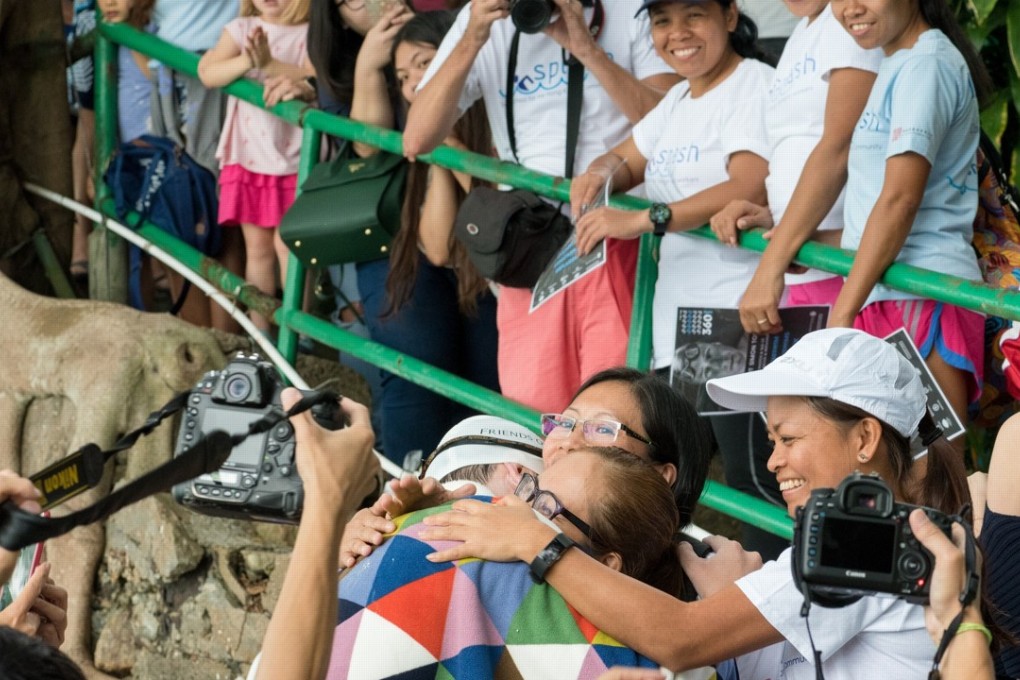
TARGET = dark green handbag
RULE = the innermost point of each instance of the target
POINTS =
(348, 210)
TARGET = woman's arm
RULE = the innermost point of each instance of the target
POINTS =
(439, 210)
(338, 469)
(371, 103)
(676, 634)
(224, 63)
(820, 184)
(626, 165)
(747, 172)
(886, 231)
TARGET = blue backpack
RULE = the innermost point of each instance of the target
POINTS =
(155, 178)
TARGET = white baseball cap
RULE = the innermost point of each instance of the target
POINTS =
(843, 364)
(480, 440)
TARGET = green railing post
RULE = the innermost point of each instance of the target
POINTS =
(639, 344)
(107, 252)
(294, 286)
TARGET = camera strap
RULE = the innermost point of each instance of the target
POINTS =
(575, 90)
(83, 470)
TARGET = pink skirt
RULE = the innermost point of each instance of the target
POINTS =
(957, 334)
(251, 198)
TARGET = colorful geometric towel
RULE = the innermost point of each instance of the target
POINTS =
(402, 616)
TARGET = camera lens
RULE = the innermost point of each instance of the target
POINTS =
(531, 16)
(912, 565)
(237, 387)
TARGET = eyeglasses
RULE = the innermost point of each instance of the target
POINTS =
(597, 431)
(547, 504)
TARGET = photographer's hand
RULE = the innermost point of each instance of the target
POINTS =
(22, 493)
(40, 610)
(967, 655)
(338, 469)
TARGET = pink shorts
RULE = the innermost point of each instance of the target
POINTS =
(248, 197)
(957, 334)
(822, 292)
(545, 356)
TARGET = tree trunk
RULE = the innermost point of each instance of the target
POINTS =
(35, 137)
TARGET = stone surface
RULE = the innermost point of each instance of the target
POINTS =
(115, 650)
(151, 666)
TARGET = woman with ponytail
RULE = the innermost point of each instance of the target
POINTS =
(838, 401)
(912, 183)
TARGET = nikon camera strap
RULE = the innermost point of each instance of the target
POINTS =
(83, 470)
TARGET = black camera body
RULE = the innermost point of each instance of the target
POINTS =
(259, 481)
(531, 16)
(856, 540)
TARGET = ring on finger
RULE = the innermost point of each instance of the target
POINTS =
(762, 322)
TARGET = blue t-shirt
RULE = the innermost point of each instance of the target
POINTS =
(922, 102)
(194, 25)
(134, 96)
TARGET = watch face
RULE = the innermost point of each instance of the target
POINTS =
(660, 213)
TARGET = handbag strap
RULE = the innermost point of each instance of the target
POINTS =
(575, 91)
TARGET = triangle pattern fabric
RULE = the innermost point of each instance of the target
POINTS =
(467, 622)
(420, 609)
(542, 619)
(381, 649)
(552, 662)
(403, 551)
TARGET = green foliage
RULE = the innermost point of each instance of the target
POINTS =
(994, 27)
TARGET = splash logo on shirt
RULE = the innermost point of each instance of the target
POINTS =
(873, 121)
(663, 163)
(544, 78)
(783, 83)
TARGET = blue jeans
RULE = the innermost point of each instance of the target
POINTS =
(429, 327)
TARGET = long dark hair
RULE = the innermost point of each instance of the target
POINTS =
(744, 38)
(938, 14)
(333, 51)
(428, 28)
(679, 436)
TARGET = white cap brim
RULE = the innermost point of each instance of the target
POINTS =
(751, 391)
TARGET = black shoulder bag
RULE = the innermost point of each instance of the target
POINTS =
(510, 236)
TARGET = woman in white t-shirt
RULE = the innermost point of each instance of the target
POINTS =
(700, 148)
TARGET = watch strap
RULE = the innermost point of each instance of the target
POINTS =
(548, 556)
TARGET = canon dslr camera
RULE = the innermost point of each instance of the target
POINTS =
(531, 16)
(856, 540)
(259, 480)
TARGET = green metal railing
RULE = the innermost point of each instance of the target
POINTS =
(292, 321)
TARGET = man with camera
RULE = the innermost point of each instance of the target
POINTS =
(545, 354)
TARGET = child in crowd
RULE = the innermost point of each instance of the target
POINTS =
(259, 152)
(82, 72)
(134, 87)
(912, 184)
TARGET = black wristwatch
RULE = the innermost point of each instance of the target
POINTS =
(549, 556)
(660, 215)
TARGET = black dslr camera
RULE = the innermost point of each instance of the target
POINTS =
(531, 16)
(259, 480)
(856, 540)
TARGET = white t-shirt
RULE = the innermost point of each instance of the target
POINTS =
(688, 143)
(795, 115)
(876, 637)
(540, 99)
(770, 16)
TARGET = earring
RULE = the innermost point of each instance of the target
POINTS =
(863, 457)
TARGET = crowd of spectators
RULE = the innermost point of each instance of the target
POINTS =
(806, 123)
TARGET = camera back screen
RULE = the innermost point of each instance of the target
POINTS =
(858, 545)
(249, 452)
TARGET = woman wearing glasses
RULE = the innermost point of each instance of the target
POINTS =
(620, 407)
